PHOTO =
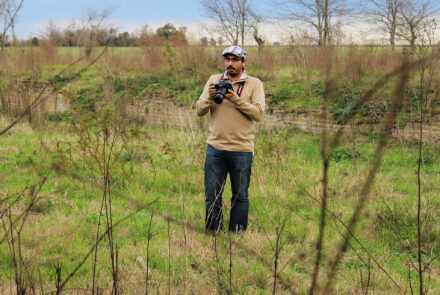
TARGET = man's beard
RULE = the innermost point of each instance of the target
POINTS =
(233, 74)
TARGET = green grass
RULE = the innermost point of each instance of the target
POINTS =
(287, 168)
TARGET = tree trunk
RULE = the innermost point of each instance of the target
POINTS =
(413, 43)
(319, 26)
(392, 41)
(2, 43)
(242, 26)
(326, 23)
(260, 42)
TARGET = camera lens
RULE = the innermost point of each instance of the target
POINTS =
(218, 99)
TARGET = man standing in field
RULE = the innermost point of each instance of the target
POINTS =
(231, 140)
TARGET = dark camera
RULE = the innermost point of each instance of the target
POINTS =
(222, 87)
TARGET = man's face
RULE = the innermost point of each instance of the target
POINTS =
(234, 65)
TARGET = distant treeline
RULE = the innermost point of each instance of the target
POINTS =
(83, 36)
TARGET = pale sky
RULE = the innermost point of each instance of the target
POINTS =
(127, 15)
(131, 15)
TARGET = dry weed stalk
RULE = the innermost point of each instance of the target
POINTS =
(101, 237)
(149, 236)
(366, 285)
(95, 255)
(385, 133)
(230, 263)
(398, 95)
(419, 184)
(410, 280)
(279, 230)
(234, 243)
(169, 256)
(16, 261)
(184, 237)
(405, 68)
(325, 155)
(106, 139)
(58, 282)
(13, 235)
(217, 264)
(8, 198)
(338, 219)
(427, 71)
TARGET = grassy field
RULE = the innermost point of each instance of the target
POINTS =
(160, 173)
(96, 199)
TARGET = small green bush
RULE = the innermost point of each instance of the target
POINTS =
(344, 153)
(63, 116)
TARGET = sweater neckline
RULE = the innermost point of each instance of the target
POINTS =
(241, 79)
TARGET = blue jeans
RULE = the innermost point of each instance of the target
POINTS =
(218, 164)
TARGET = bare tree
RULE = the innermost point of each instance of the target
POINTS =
(319, 14)
(257, 19)
(90, 27)
(8, 13)
(258, 38)
(53, 35)
(234, 17)
(414, 17)
(384, 13)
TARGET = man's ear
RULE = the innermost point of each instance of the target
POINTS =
(244, 61)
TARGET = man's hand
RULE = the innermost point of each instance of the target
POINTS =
(212, 92)
(230, 94)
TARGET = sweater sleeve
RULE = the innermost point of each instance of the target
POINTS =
(255, 108)
(204, 102)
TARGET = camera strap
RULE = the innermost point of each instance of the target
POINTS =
(240, 88)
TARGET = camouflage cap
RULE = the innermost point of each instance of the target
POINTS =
(235, 50)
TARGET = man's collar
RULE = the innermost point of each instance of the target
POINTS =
(242, 77)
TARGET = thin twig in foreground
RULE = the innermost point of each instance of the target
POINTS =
(385, 134)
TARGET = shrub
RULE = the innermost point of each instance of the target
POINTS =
(63, 116)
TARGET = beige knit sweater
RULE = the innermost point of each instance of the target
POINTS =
(232, 124)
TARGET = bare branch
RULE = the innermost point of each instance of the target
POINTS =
(384, 13)
(8, 13)
(321, 15)
(235, 18)
(414, 16)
